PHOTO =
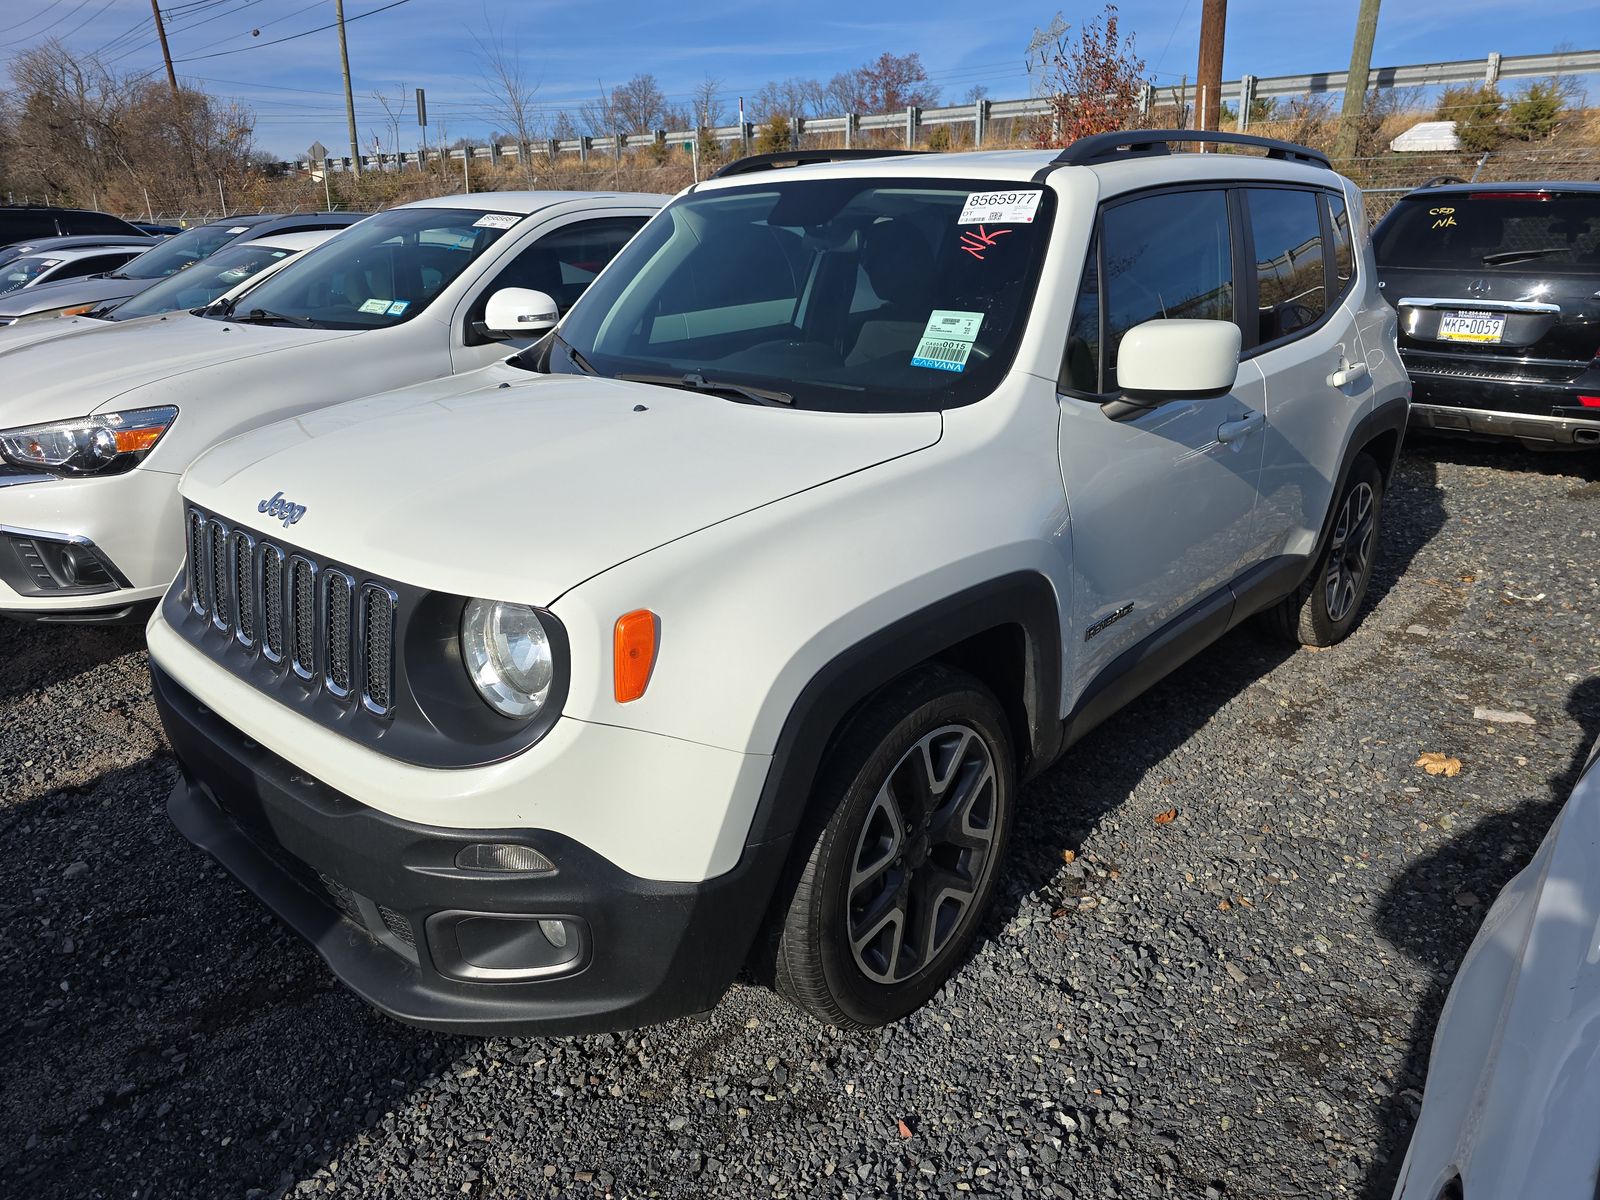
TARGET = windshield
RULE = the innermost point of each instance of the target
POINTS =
(23, 271)
(199, 285)
(852, 295)
(1512, 231)
(176, 253)
(382, 271)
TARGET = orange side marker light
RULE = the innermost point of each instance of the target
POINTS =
(634, 653)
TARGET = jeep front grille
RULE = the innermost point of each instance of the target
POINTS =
(330, 628)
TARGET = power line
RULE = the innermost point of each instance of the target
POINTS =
(82, 4)
(28, 20)
(306, 33)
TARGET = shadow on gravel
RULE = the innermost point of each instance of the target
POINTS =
(35, 656)
(163, 1036)
(1505, 456)
(1419, 916)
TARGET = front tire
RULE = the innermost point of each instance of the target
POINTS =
(1323, 610)
(909, 824)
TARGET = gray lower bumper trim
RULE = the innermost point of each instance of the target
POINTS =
(1562, 431)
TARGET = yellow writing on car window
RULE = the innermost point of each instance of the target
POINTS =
(1443, 218)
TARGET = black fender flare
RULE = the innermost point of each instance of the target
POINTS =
(1023, 598)
(1392, 416)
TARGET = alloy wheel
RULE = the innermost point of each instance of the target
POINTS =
(1350, 557)
(924, 854)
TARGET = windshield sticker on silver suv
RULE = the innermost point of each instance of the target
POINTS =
(496, 221)
(999, 208)
(947, 340)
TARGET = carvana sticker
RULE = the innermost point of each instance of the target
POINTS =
(1000, 208)
(947, 339)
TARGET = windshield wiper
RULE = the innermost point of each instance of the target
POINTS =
(260, 316)
(576, 355)
(696, 382)
(1508, 256)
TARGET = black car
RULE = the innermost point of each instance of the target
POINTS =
(25, 222)
(1497, 286)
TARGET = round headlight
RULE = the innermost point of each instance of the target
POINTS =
(507, 653)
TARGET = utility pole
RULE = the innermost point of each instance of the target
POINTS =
(1355, 86)
(1208, 79)
(166, 54)
(349, 99)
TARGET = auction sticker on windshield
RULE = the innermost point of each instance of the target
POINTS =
(947, 340)
(1000, 208)
(496, 221)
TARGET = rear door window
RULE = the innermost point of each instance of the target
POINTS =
(1291, 280)
(1493, 231)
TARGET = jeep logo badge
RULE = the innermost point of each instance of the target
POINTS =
(277, 506)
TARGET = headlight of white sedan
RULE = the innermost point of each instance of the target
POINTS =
(507, 653)
(102, 445)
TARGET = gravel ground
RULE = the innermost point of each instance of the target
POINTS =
(1236, 1001)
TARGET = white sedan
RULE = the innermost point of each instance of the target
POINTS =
(223, 275)
(95, 431)
(58, 266)
(1512, 1105)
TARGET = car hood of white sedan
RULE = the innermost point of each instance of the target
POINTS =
(519, 487)
(58, 378)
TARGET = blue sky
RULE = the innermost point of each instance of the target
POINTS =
(571, 49)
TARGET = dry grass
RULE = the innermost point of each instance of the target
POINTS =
(1573, 153)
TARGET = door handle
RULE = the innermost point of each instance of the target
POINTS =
(1347, 373)
(1236, 431)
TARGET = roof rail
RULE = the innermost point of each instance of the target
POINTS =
(1133, 143)
(799, 158)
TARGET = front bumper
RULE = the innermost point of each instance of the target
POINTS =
(446, 948)
(130, 521)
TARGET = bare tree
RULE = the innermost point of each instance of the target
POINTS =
(706, 100)
(394, 112)
(639, 105)
(511, 98)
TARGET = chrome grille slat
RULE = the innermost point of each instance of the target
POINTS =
(337, 598)
(327, 626)
(243, 575)
(195, 566)
(217, 574)
(272, 561)
(303, 616)
(377, 647)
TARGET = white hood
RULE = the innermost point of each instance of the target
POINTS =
(62, 377)
(518, 487)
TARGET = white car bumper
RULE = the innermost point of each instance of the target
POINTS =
(131, 521)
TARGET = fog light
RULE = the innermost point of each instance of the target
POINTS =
(555, 932)
(503, 856)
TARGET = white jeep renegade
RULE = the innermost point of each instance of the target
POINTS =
(721, 626)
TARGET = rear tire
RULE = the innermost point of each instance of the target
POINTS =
(908, 826)
(1324, 609)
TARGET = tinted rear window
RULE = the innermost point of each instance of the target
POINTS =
(1486, 231)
